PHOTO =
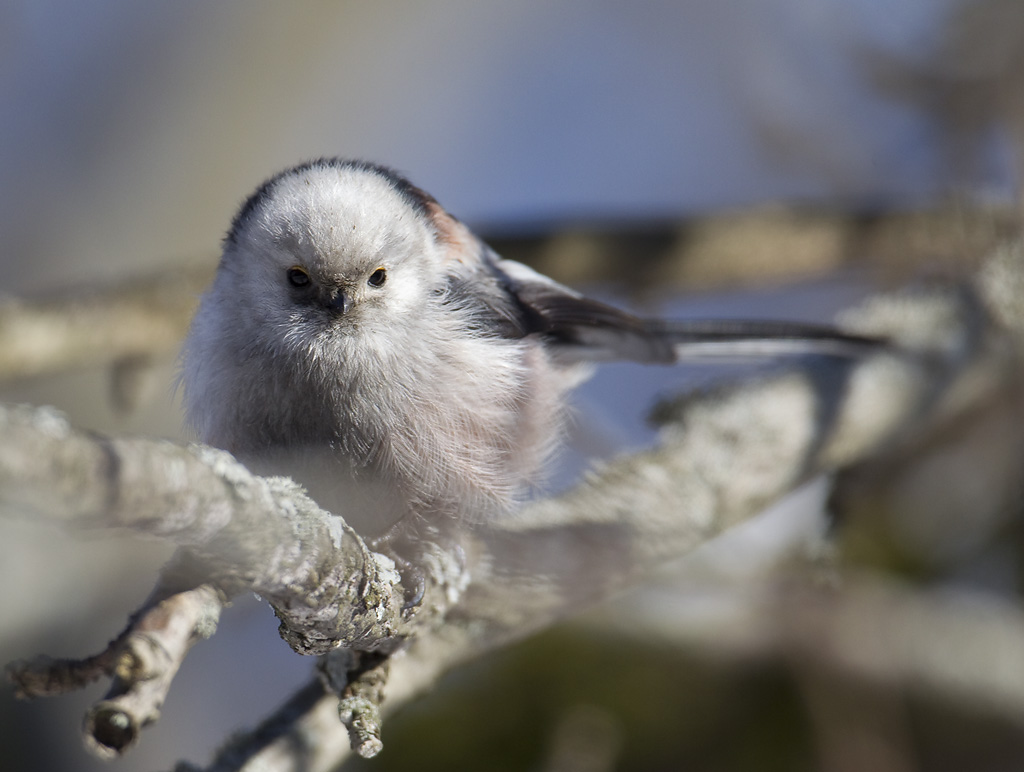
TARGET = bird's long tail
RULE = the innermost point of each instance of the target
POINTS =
(659, 341)
(696, 339)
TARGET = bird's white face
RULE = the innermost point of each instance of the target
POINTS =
(326, 252)
(333, 282)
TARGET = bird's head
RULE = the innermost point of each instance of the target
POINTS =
(329, 248)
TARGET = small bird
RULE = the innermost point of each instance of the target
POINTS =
(362, 340)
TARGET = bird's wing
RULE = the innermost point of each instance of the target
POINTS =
(581, 328)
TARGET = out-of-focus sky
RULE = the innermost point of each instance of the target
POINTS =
(130, 131)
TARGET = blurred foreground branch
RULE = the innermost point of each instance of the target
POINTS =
(723, 455)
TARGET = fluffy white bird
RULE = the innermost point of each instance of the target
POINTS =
(361, 339)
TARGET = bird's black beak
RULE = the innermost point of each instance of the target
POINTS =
(340, 303)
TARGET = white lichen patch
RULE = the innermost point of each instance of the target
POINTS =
(386, 569)
(47, 420)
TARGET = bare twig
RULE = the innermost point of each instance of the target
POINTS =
(143, 661)
(45, 676)
(147, 661)
(358, 679)
(299, 733)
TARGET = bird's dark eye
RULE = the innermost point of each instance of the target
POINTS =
(377, 278)
(297, 276)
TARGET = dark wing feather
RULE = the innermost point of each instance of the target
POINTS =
(595, 330)
(515, 301)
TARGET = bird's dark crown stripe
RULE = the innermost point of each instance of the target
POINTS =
(417, 198)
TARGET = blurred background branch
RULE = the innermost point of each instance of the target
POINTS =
(144, 317)
(125, 321)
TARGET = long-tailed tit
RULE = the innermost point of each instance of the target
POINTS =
(363, 340)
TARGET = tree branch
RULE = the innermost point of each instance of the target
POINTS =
(138, 318)
(723, 455)
(148, 659)
(246, 532)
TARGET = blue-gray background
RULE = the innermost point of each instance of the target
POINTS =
(129, 133)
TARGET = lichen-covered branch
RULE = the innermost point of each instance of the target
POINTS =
(247, 532)
(358, 679)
